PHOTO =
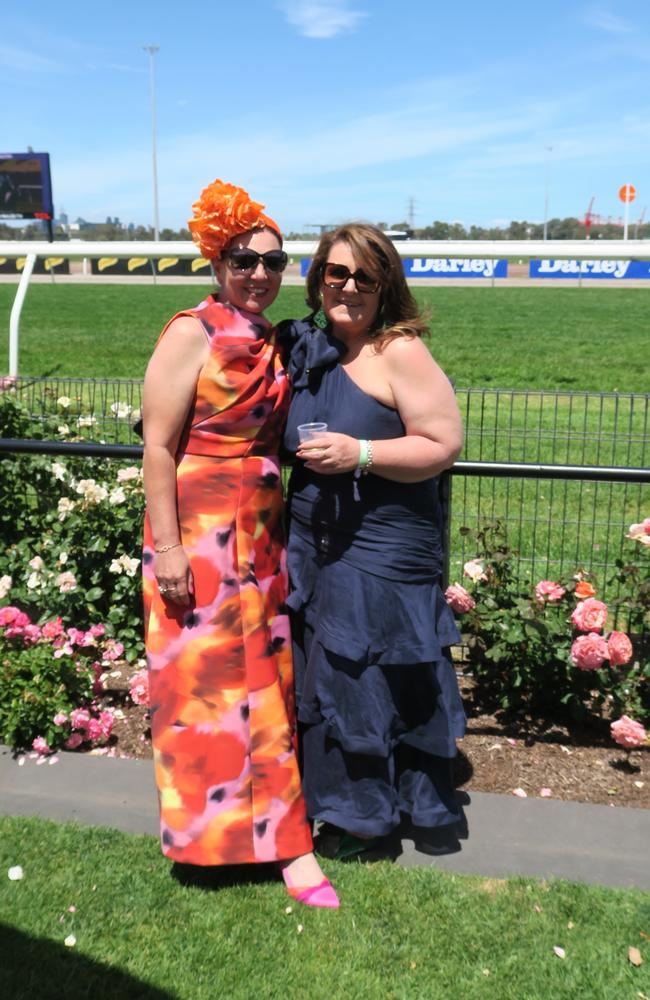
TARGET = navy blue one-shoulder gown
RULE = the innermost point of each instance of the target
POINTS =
(377, 696)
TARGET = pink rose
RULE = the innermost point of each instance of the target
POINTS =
(113, 650)
(76, 636)
(16, 620)
(546, 590)
(40, 746)
(475, 570)
(97, 630)
(620, 648)
(8, 614)
(589, 615)
(640, 532)
(32, 633)
(107, 720)
(139, 687)
(60, 719)
(73, 741)
(80, 717)
(53, 629)
(94, 730)
(589, 651)
(458, 599)
(628, 733)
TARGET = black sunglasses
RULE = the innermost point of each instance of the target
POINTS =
(247, 260)
(338, 275)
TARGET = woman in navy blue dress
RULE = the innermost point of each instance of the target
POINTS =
(377, 697)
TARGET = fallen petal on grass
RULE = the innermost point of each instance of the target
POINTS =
(634, 956)
(300, 928)
(560, 952)
(70, 941)
(288, 909)
(520, 793)
(570, 925)
(15, 873)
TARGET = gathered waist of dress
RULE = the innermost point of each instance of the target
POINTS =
(228, 450)
(389, 541)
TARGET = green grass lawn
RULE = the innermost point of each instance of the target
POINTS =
(541, 338)
(400, 934)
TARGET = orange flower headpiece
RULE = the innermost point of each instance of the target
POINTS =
(221, 212)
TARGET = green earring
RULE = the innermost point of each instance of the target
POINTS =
(320, 319)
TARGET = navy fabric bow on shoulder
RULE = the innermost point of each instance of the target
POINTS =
(306, 349)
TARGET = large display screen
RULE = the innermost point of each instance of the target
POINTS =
(25, 186)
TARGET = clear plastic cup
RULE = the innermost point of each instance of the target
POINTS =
(308, 431)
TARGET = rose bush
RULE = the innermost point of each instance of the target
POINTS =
(523, 650)
(51, 683)
(71, 529)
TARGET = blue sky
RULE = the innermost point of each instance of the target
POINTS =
(334, 109)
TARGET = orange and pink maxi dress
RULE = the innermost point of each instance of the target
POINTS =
(220, 672)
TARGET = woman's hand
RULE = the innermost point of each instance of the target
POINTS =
(174, 576)
(330, 453)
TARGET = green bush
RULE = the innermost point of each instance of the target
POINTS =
(72, 531)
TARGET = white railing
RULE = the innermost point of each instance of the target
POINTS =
(485, 249)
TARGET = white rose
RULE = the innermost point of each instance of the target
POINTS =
(63, 430)
(121, 410)
(34, 581)
(131, 566)
(37, 564)
(64, 507)
(66, 582)
(63, 401)
(116, 567)
(63, 558)
(117, 496)
(86, 421)
(58, 468)
(124, 475)
(5, 586)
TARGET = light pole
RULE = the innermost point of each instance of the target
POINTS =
(152, 49)
(549, 150)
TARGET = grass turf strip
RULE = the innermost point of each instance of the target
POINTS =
(545, 338)
(401, 933)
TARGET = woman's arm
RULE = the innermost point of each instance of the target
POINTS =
(169, 387)
(426, 403)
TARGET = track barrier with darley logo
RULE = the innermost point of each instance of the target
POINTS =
(443, 267)
(606, 269)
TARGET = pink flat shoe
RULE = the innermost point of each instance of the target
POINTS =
(321, 895)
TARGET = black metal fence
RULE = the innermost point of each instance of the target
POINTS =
(566, 473)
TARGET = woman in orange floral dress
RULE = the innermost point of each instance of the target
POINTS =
(215, 582)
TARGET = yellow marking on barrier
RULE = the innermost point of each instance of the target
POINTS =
(105, 262)
(135, 262)
(20, 263)
(199, 263)
(51, 262)
(166, 262)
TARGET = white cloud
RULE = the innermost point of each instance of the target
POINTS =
(603, 19)
(21, 59)
(321, 18)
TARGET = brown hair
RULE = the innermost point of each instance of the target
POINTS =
(398, 314)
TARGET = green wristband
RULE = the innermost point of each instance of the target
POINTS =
(363, 454)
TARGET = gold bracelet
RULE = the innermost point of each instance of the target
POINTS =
(166, 548)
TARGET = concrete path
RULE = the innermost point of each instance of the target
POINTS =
(501, 835)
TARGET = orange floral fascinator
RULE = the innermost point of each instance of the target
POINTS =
(223, 211)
